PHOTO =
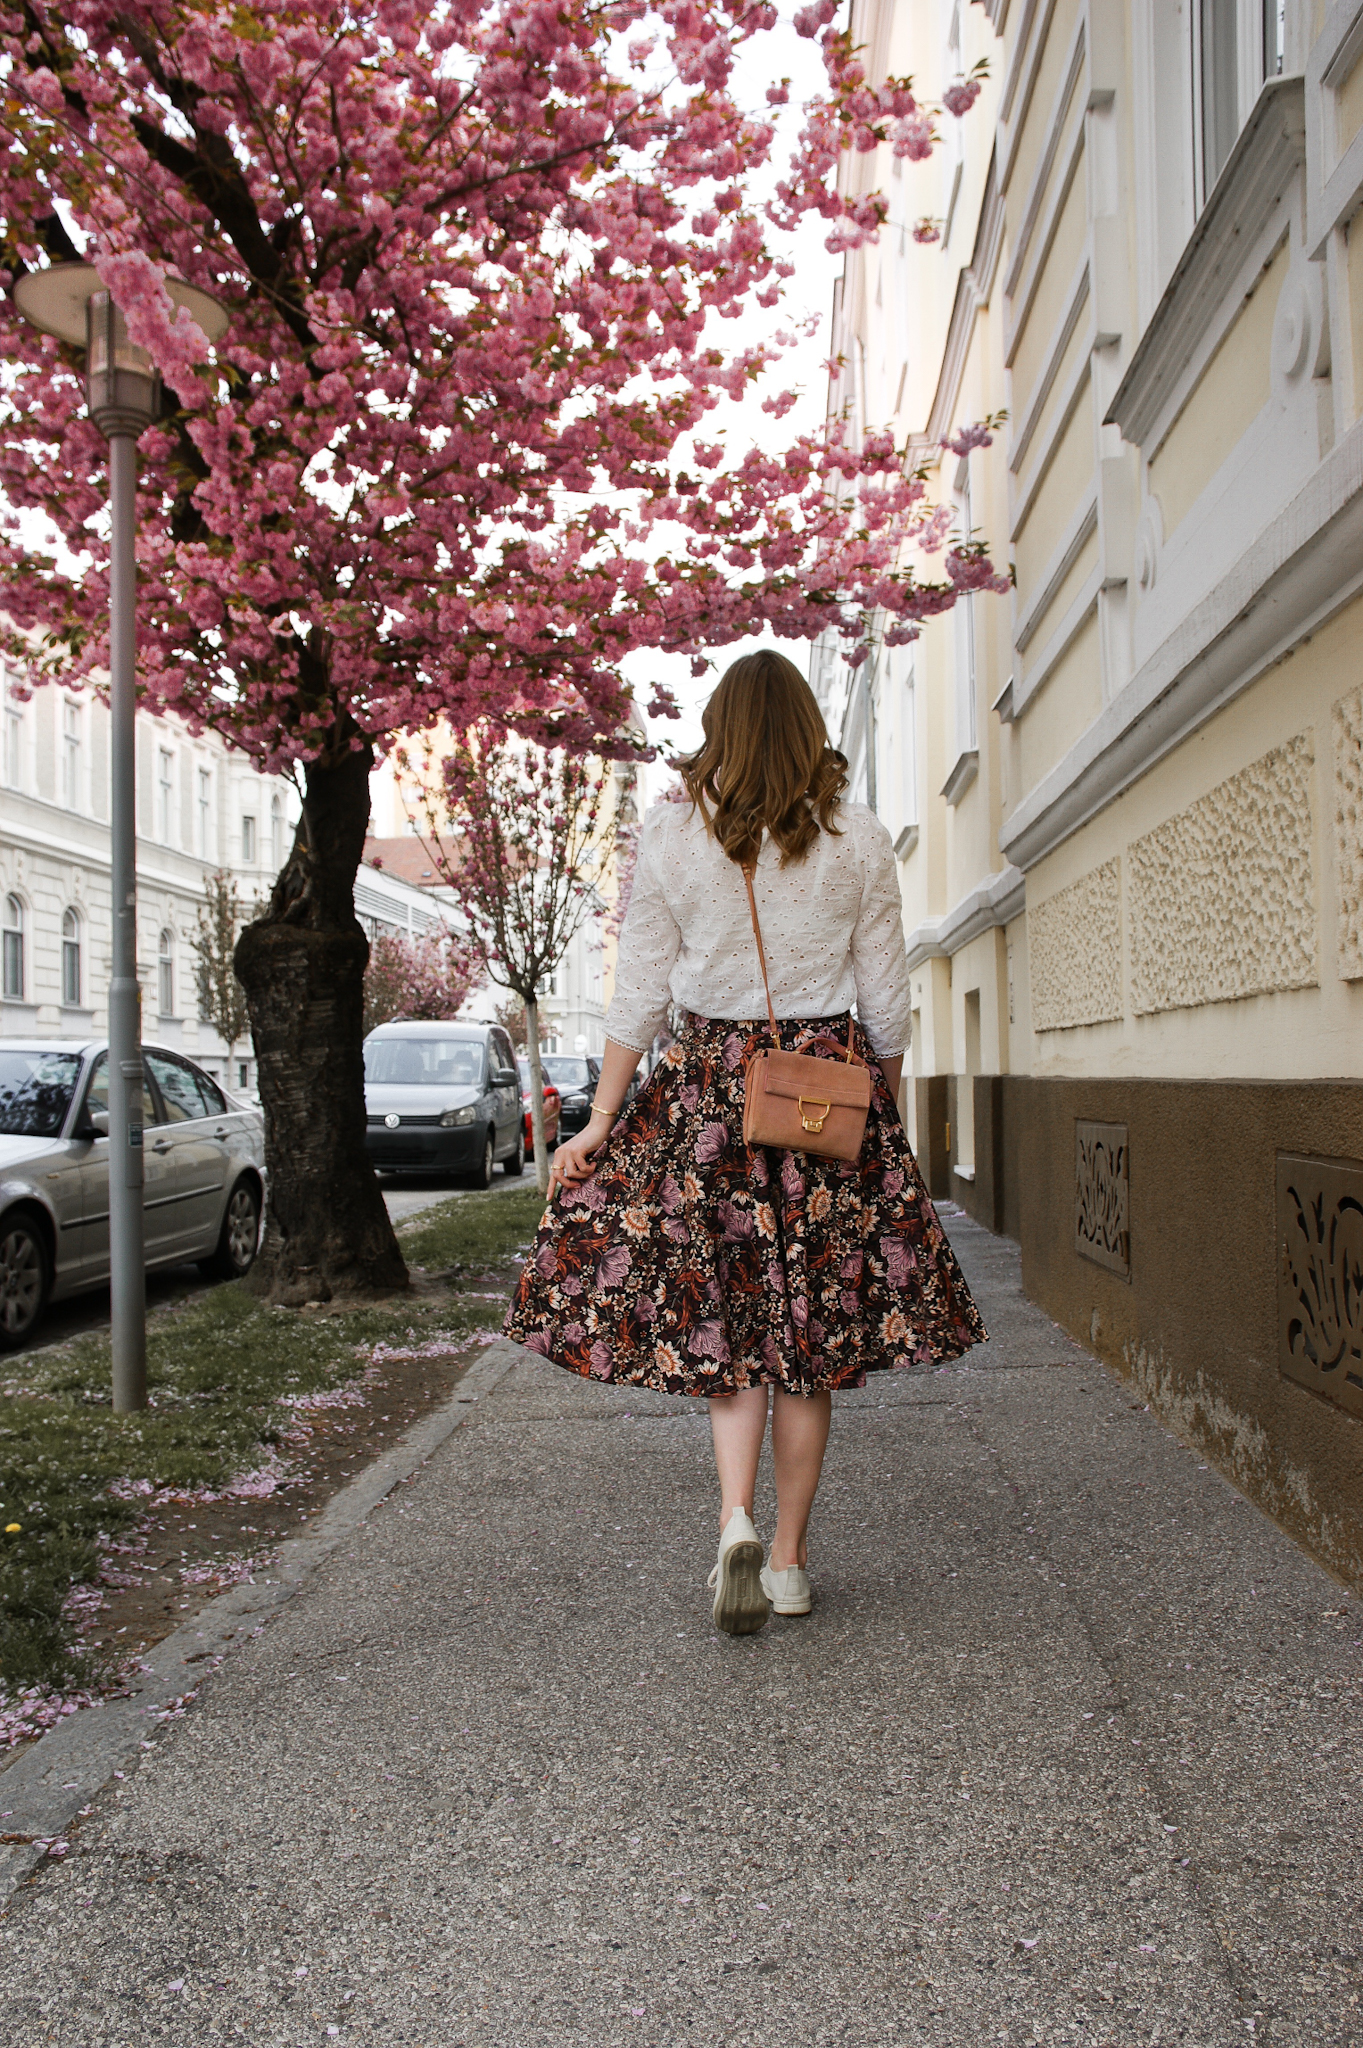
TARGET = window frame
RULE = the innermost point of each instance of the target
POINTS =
(165, 972)
(72, 753)
(15, 732)
(1246, 73)
(72, 961)
(165, 795)
(13, 949)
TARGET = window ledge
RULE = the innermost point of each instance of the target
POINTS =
(964, 1172)
(962, 775)
(1268, 152)
(906, 842)
(1003, 704)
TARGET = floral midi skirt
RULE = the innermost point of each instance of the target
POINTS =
(696, 1264)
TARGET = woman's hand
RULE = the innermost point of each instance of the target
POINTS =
(574, 1158)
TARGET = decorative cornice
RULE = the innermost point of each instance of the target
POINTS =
(973, 289)
(1267, 155)
(1304, 567)
(967, 767)
(996, 902)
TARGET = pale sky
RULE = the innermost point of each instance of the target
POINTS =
(780, 53)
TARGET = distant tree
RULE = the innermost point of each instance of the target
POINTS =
(222, 999)
(525, 835)
(426, 978)
(510, 1014)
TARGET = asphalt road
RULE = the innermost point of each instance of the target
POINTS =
(1066, 1753)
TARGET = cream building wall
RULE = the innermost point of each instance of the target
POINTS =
(1128, 798)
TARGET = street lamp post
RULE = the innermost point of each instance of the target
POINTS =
(123, 393)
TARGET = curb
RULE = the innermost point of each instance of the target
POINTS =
(46, 1788)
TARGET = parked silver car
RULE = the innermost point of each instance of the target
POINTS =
(204, 1160)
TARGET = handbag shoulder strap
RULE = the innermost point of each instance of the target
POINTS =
(749, 870)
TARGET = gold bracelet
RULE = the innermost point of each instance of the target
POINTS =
(600, 1109)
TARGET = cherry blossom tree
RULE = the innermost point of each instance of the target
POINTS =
(527, 836)
(473, 252)
(429, 977)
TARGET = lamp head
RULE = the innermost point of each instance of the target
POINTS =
(122, 384)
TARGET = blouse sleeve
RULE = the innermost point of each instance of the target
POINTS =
(649, 945)
(879, 960)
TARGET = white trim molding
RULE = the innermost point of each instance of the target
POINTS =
(1267, 156)
(973, 288)
(962, 775)
(996, 902)
(1305, 566)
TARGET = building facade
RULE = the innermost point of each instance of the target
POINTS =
(201, 809)
(1128, 799)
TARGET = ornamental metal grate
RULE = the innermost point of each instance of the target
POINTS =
(1102, 1229)
(1320, 1276)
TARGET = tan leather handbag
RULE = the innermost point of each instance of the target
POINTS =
(797, 1101)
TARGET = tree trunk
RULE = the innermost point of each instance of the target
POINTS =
(532, 1020)
(302, 966)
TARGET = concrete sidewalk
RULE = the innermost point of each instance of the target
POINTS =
(1065, 1754)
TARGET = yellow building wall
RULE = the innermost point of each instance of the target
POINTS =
(1233, 858)
(1227, 398)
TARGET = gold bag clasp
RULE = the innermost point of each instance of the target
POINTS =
(812, 1123)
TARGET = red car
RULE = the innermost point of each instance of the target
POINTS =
(551, 1107)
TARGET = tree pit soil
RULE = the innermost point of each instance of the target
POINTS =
(223, 1539)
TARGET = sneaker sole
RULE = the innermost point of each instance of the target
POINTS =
(741, 1607)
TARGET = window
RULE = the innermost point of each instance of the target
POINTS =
(165, 974)
(14, 731)
(71, 960)
(1237, 44)
(13, 942)
(205, 814)
(963, 615)
(248, 842)
(165, 793)
(908, 743)
(71, 754)
(243, 1074)
(276, 834)
(181, 1095)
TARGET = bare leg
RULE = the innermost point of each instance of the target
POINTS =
(738, 1423)
(799, 1434)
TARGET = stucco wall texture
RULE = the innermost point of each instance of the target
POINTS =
(1195, 1326)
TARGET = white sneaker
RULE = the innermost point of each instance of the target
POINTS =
(741, 1606)
(788, 1591)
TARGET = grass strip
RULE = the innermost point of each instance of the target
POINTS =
(223, 1373)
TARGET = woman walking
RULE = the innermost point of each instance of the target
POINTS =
(675, 1256)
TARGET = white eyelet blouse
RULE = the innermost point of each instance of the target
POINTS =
(832, 926)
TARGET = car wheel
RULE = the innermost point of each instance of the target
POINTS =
(481, 1177)
(24, 1280)
(515, 1165)
(238, 1237)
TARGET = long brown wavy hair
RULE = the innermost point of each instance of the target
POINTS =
(766, 764)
